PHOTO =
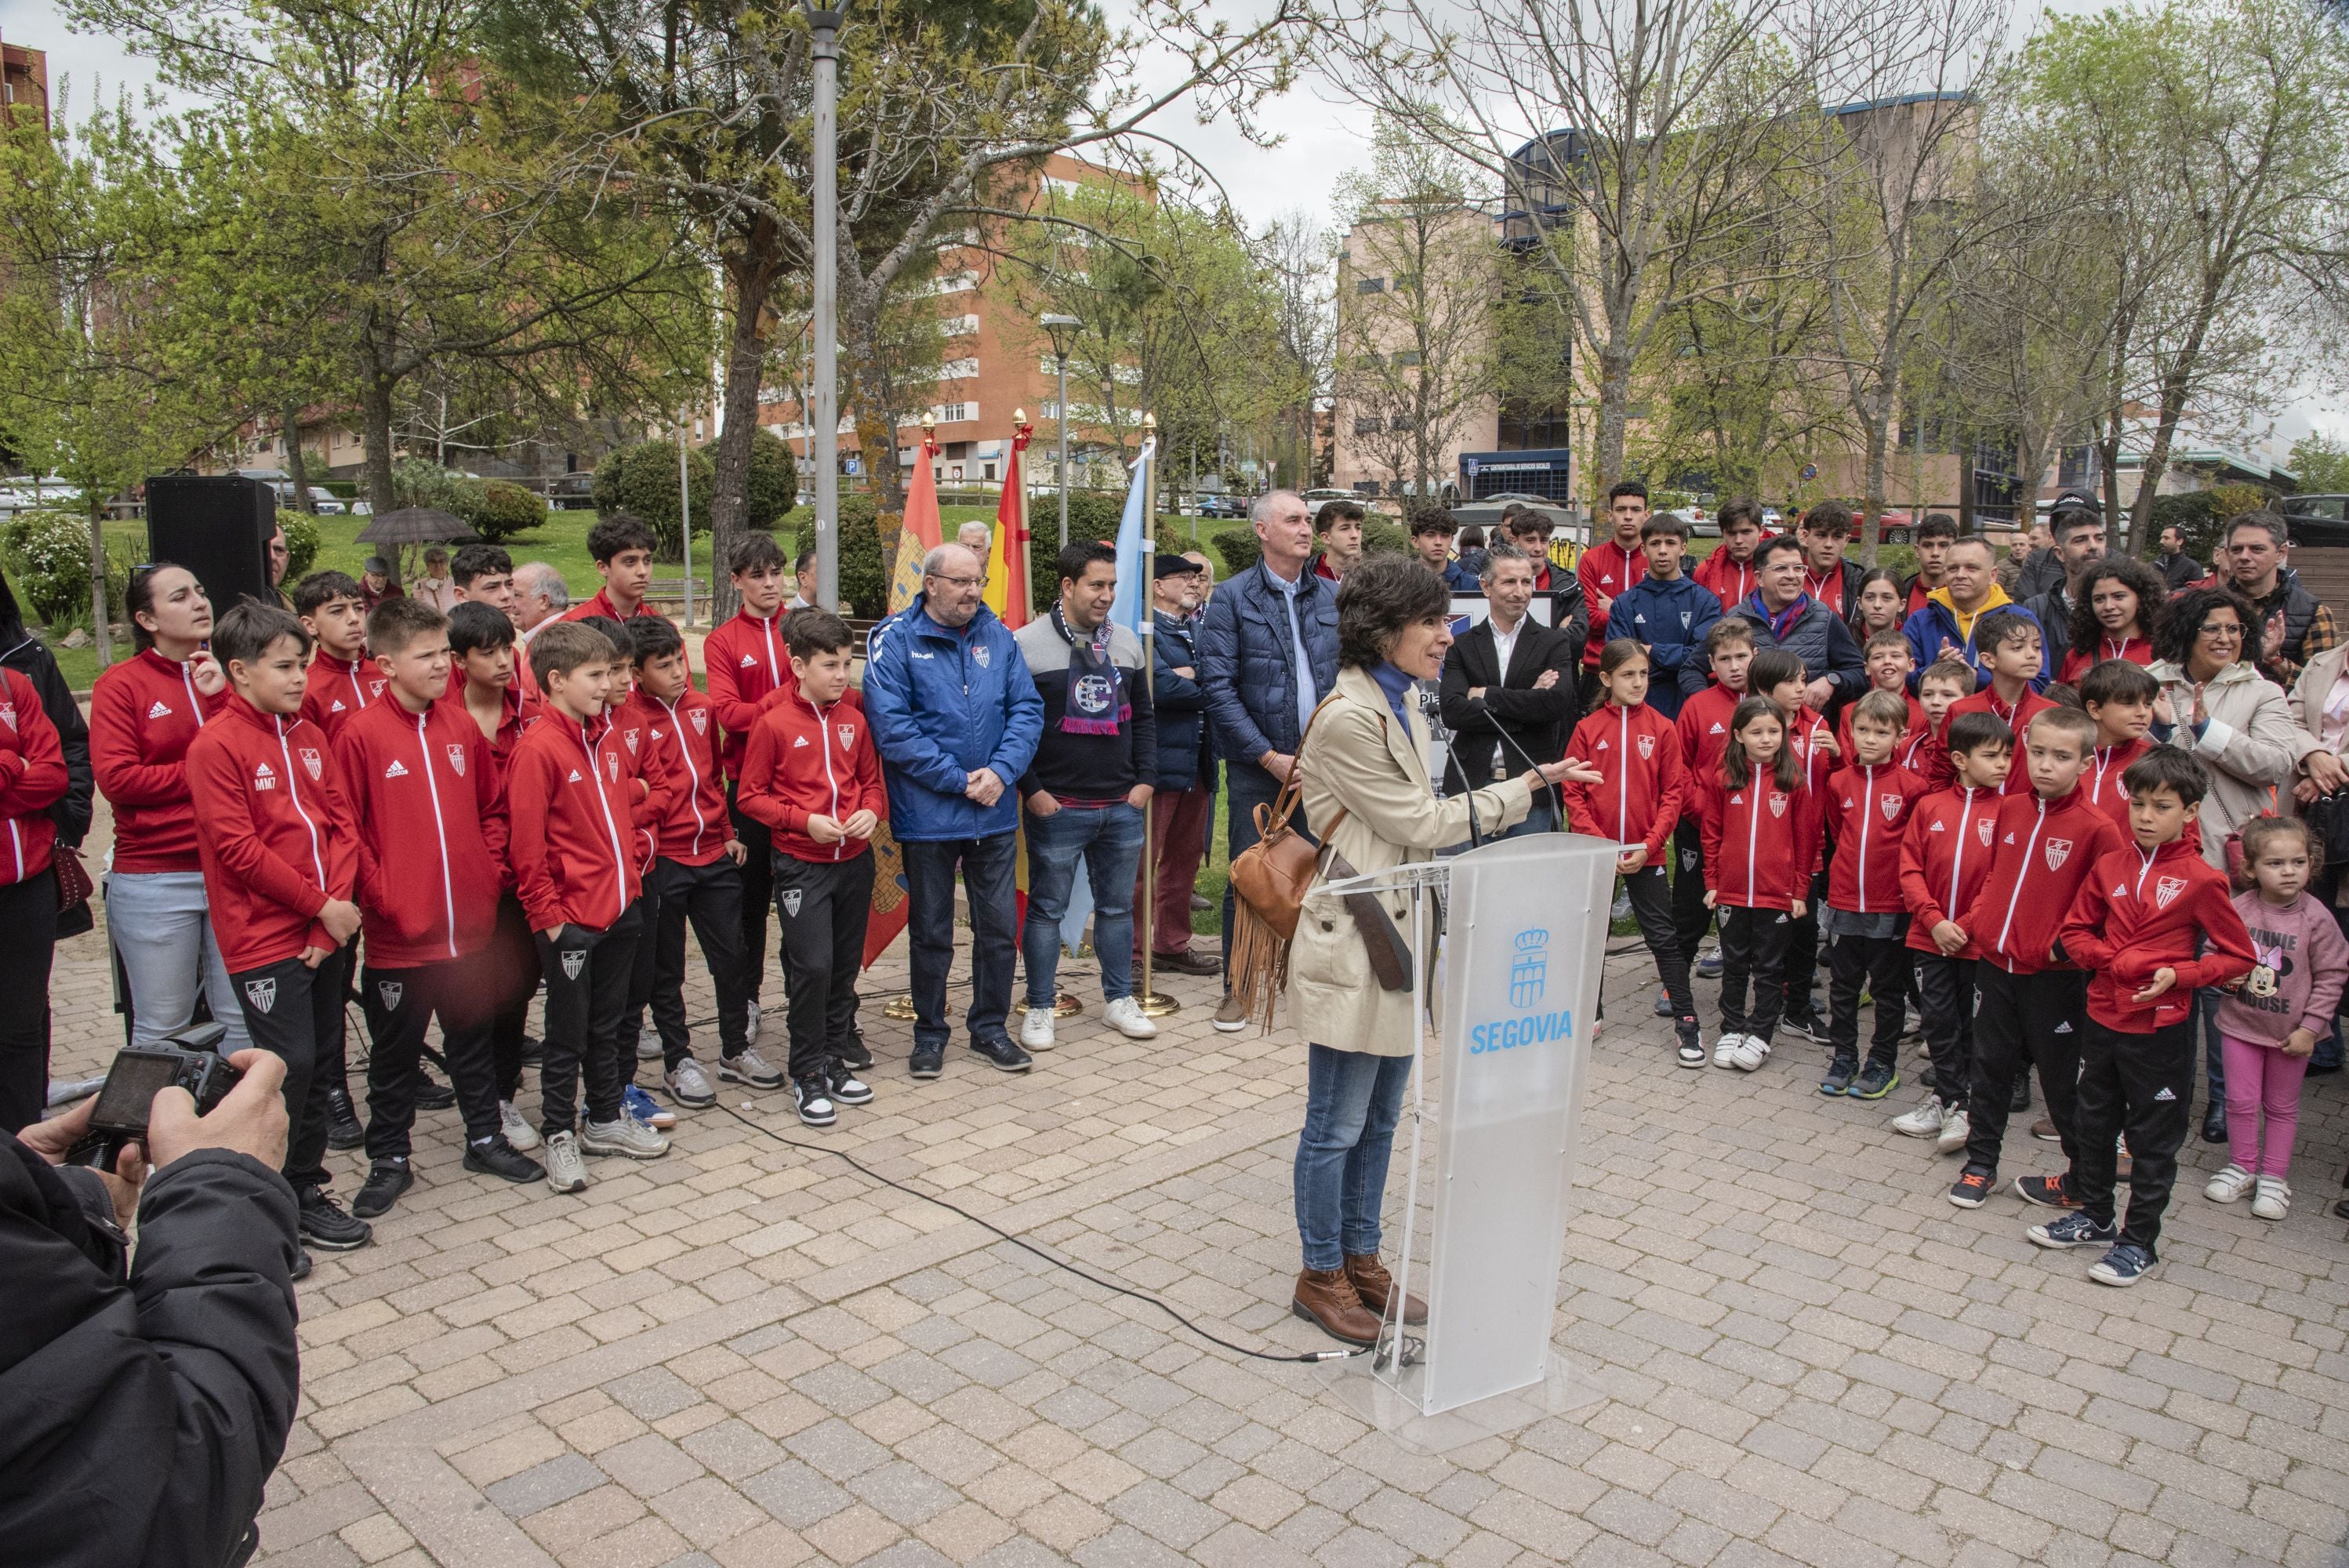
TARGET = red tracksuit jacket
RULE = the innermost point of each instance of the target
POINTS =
(2136, 650)
(2102, 782)
(601, 604)
(805, 761)
(570, 802)
(1731, 581)
(1760, 841)
(693, 830)
(747, 667)
(1925, 751)
(1945, 857)
(2043, 851)
(1869, 808)
(1611, 569)
(2139, 912)
(340, 688)
(1638, 750)
(432, 831)
(644, 780)
(32, 780)
(1704, 727)
(274, 830)
(2018, 777)
(517, 711)
(143, 714)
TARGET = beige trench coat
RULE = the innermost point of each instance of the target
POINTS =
(1358, 758)
(2251, 746)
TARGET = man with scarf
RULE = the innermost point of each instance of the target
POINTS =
(1087, 790)
(1784, 616)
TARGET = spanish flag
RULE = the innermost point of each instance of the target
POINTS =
(1008, 591)
(920, 533)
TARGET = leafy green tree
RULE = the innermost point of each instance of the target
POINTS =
(2321, 462)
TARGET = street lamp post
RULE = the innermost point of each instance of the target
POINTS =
(1062, 330)
(825, 47)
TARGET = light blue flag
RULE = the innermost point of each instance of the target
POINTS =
(1127, 610)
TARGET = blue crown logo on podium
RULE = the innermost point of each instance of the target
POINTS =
(1529, 970)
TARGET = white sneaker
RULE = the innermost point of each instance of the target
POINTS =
(648, 1046)
(749, 1068)
(1724, 1051)
(750, 1025)
(517, 1129)
(1753, 1050)
(627, 1136)
(1036, 1030)
(566, 1172)
(1925, 1121)
(689, 1086)
(1126, 1016)
(2229, 1185)
(2272, 1199)
(1956, 1127)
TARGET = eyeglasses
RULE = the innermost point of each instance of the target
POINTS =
(957, 581)
(2219, 629)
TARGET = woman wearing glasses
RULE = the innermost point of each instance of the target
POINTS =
(2215, 703)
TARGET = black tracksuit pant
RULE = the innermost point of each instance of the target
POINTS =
(513, 982)
(1945, 998)
(1753, 949)
(1691, 918)
(758, 893)
(642, 975)
(295, 1013)
(2143, 1085)
(28, 914)
(2023, 1021)
(398, 1004)
(587, 977)
(1879, 964)
(1800, 972)
(824, 907)
(1649, 888)
(710, 897)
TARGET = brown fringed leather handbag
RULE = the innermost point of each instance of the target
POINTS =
(1269, 880)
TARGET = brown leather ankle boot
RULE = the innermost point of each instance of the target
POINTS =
(1327, 1297)
(1372, 1283)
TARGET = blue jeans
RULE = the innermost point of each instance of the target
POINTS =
(161, 925)
(1538, 821)
(1109, 839)
(987, 867)
(1351, 1102)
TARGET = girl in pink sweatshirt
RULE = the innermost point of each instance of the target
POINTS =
(2272, 1021)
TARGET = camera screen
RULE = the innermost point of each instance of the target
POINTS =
(130, 1088)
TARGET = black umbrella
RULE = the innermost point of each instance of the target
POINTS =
(418, 525)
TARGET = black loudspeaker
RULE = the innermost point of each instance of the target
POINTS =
(218, 527)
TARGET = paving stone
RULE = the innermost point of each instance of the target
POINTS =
(544, 1486)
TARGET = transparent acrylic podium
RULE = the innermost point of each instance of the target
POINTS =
(1525, 924)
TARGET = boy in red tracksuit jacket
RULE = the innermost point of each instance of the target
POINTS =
(32, 778)
(2119, 696)
(342, 680)
(644, 780)
(1761, 840)
(1925, 753)
(576, 872)
(2136, 924)
(697, 876)
(2030, 998)
(2008, 646)
(1868, 803)
(1889, 661)
(432, 842)
(1780, 675)
(812, 777)
(748, 663)
(280, 863)
(1639, 751)
(1945, 856)
(1703, 731)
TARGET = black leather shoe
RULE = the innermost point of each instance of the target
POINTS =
(343, 1128)
(432, 1094)
(1003, 1056)
(499, 1157)
(2214, 1124)
(928, 1061)
(387, 1179)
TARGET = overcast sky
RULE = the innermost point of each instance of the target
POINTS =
(1323, 138)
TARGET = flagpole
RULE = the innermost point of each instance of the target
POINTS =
(1154, 1004)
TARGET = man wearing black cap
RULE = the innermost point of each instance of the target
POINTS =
(1184, 802)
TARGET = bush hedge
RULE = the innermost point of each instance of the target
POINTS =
(301, 543)
(863, 562)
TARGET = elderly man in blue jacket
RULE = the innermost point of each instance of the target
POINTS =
(1268, 654)
(955, 719)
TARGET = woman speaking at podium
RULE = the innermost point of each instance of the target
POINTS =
(1367, 796)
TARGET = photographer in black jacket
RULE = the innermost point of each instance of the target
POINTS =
(143, 1408)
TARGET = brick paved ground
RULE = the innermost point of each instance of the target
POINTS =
(745, 1355)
